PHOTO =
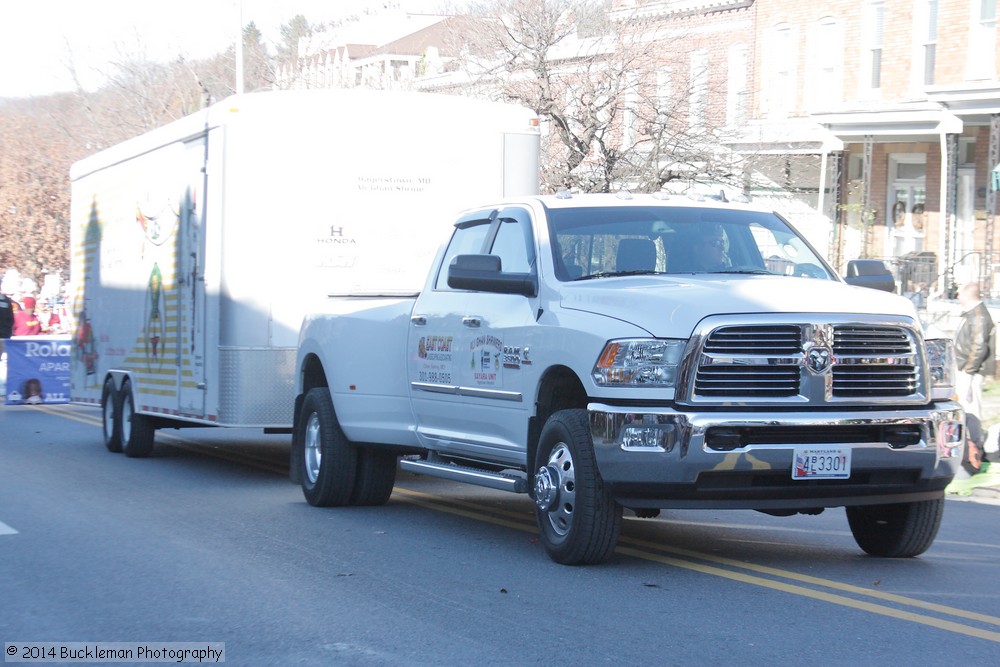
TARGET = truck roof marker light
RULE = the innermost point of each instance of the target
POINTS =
(534, 122)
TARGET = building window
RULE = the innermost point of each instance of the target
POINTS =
(630, 114)
(982, 39)
(736, 86)
(824, 83)
(967, 151)
(872, 56)
(663, 91)
(698, 97)
(782, 55)
(925, 28)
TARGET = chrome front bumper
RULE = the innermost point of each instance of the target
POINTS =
(661, 457)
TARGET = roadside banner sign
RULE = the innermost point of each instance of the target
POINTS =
(38, 369)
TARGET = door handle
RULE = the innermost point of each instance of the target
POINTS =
(472, 322)
(418, 320)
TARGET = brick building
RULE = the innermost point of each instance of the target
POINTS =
(874, 125)
(900, 100)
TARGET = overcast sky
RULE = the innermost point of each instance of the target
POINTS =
(39, 39)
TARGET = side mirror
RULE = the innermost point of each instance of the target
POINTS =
(871, 273)
(483, 273)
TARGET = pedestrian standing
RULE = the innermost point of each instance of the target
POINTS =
(6, 321)
(974, 348)
(26, 322)
(975, 356)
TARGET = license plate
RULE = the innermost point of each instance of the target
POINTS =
(825, 463)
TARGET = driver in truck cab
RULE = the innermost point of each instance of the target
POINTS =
(704, 250)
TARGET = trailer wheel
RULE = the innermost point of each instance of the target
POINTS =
(902, 530)
(111, 416)
(578, 519)
(329, 459)
(136, 431)
(376, 476)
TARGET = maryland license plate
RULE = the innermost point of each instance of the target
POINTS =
(825, 463)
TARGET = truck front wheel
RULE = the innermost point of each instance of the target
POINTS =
(902, 530)
(578, 519)
(329, 459)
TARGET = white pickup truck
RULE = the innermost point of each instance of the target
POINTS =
(603, 352)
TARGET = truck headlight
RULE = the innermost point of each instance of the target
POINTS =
(942, 368)
(641, 362)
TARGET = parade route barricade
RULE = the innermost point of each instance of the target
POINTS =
(38, 370)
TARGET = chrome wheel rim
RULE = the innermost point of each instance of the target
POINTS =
(127, 412)
(109, 418)
(555, 489)
(313, 451)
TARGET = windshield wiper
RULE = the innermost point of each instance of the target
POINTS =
(763, 272)
(618, 274)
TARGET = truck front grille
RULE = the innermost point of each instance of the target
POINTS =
(808, 362)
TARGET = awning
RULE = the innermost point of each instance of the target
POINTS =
(898, 123)
(790, 136)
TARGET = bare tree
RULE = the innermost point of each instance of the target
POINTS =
(594, 76)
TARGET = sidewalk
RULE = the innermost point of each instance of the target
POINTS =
(983, 486)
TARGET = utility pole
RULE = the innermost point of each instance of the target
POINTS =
(239, 49)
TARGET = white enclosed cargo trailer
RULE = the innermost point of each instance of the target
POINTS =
(197, 248)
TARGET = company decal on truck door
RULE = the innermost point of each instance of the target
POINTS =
(435, 363)
(486, 354)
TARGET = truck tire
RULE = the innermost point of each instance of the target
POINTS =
(376, 476)
(578, 519)
(329, 459)
(136, 431)
(111, 424)
(903, 530)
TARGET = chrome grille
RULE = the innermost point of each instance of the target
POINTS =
(873, 361)
(768, 362)
(755, 340)
(772, 381)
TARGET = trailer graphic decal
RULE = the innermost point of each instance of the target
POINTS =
(152, 354)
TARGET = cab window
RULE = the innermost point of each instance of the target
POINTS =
(468, 239)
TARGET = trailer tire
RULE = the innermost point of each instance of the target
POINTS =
(329, 459)
(578, 519)
(901, 530)
(136, 431)
(376, 476)
(111, 423)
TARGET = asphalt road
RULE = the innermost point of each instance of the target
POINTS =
(208, 542)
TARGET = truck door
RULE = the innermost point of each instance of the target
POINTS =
(497, 338)
(482, 409)
(435, 332)
(191, 282)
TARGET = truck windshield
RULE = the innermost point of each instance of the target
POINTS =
(600, 242)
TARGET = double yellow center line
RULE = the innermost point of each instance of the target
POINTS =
(942, 617)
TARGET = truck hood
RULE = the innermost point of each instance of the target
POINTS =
(671, 306)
